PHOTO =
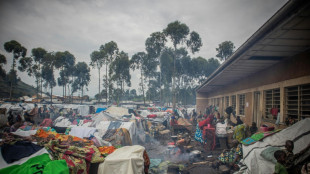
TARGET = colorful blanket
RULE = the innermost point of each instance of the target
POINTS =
(258, 137)
(43, 137)
(78, 158)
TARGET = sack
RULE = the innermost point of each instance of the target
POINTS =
(267, 154)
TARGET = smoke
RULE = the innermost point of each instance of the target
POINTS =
(158, 150)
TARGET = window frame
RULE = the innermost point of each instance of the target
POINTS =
(272, 99)
(241, 103)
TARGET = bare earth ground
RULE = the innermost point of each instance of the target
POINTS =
(158, 150)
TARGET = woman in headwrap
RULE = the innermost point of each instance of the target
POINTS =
(208, 131)
(240, 132)
(199, 133)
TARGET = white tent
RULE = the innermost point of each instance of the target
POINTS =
(256, 164)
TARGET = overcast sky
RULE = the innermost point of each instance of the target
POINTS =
(80, 27)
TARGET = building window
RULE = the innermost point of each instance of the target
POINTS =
(233, 101)
(217, 102)
(241, 104)
(227, 101)
(297, 102)
(272, 103)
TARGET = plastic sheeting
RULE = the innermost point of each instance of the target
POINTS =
(299, 133)
(117, 112)
(62, 122)
(24, 133)
(83, 110)
(100, 110)
(102, 116)
(4, 164)
(125, 160)
(82, 132)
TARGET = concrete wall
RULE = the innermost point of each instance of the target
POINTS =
(289, 72)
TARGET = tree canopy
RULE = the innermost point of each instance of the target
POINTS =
(168, 70)
(225, 50)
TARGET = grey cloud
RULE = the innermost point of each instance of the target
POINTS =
(82, 26)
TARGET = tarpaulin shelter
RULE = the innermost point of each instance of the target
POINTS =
(100, 110)
(299, 133)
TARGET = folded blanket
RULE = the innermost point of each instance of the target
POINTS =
(258, 136)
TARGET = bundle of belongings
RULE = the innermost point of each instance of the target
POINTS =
(51, 152)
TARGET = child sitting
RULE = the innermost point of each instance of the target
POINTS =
(279, 167)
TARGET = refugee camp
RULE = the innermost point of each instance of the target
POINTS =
(155, 87)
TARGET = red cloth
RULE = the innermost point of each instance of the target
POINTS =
(205, 122)
(274, 111)
(173, 122)
(74, 122)
(152, 116)
(209, 134)
(46, 122)
(86, 121)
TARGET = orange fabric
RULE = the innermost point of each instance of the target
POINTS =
(106, 149)
(45, 134)
(170, 111)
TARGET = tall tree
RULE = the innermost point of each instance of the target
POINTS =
(154, 46)
(178, 34)
(49, 65)
(82, 77)
(120, 71)
(97, 61)
(133, 94)
(199, 64)
(151, 64)
(18, 51)
(64, 61)
(225, 50)
(25, 64)
(38, 55)
(111, 51)
(153, 87)
(212, 65)
(2, 62)
(138, 61)
(103, 93)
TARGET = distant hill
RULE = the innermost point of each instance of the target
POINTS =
(19, 90)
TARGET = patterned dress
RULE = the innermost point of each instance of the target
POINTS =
(198, 136)
(229, 156)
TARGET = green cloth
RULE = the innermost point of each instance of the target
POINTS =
(280, 169)
(41, 164)
(258, 136)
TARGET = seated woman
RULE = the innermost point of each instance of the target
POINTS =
(240, 132)
(232, 156)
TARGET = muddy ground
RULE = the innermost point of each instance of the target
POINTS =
(157, 148)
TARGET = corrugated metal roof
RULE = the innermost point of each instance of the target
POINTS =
(284, 35)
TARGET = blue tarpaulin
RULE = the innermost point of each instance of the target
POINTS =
(100, 109)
